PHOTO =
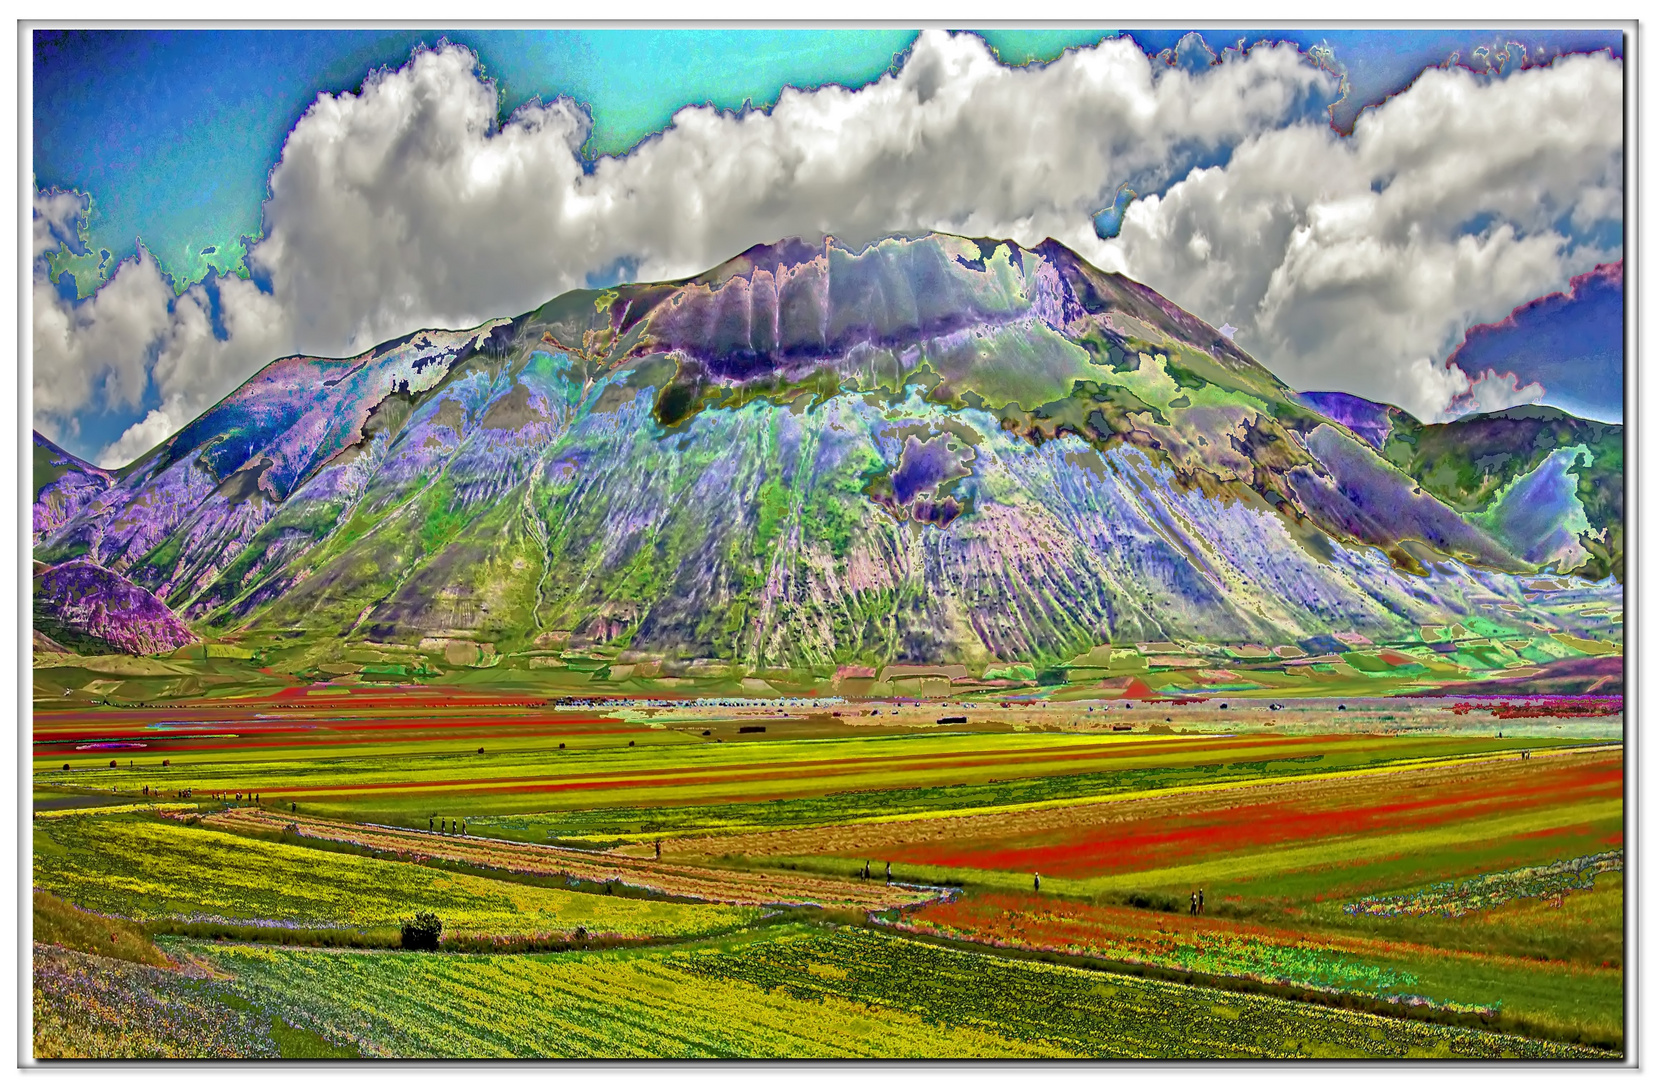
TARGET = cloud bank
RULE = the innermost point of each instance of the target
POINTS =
(1348, 263)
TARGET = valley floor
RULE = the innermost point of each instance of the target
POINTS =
(853, 879)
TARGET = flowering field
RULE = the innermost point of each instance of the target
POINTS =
(140, 867)
(799, 992)
(96, 1007)
(1469, 895)
(1456, 898)
(640, 871)
(1276, 841)
(1570, 998)
(590, 773)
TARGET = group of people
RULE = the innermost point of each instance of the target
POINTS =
(888, 873)
(441, 827)
(1197, 902)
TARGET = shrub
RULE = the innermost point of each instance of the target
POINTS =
(421, 932)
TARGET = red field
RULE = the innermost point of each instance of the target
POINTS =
(1169, 831)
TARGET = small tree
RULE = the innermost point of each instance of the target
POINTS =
(421, 932)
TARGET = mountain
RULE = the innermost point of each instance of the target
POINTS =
(927, 450)
(92, 609)
(64, 484)
(1548, 485)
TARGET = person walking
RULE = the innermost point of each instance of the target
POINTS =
(888, 874)
(1200, 896)
(866, 873)
(1193, 904)
(658, 849)
(1035, 882)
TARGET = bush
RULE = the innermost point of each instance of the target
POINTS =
(421, 932)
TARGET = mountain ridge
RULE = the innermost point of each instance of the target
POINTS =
(705, 468)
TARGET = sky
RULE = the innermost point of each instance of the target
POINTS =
(1356, 203)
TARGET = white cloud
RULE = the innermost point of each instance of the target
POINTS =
(97, 352)
(400, 206)
(403, 206)
(157, 425)
(1353, 264)
(57, 218)
(1491, 392)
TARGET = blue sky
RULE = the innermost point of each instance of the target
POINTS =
(173, 136)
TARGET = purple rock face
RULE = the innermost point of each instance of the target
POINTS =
(921, 486)
(1370, 420)
(1365, 498)
(924, 466)
(83, 604)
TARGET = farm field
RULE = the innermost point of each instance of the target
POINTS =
(638, 871)
(603, 769)
(140, 868)
(792, 992)
(1254, 840)
(1579, 999)
(1451, 894)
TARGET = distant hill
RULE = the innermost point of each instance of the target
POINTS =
(1548, 485)
(92, 609)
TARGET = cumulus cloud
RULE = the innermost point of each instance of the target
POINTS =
(1491, 392)
(134, 335)
(402, 204)
(57, 222)
(96, 352)
(1357, 263)
(195, 366)
(1348, 263)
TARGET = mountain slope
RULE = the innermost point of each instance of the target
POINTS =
(1547, 485)
(931, 449)
(63, 485)
(91, 609)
